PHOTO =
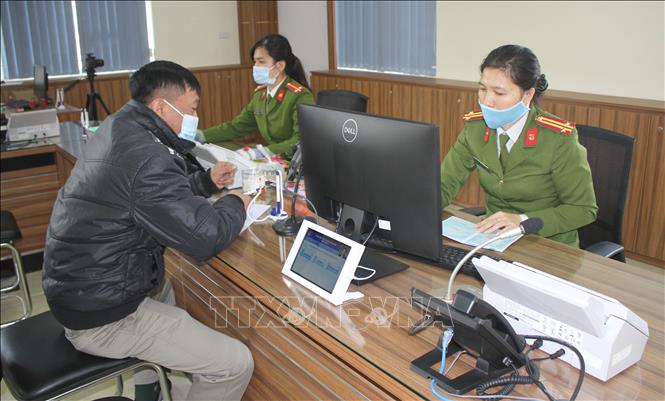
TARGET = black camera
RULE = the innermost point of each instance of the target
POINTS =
(92, 62)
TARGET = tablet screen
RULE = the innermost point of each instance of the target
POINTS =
(320, 259)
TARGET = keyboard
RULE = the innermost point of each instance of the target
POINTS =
(449, 256)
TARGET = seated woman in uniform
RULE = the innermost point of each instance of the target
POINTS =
(529, 162)
(273, 108)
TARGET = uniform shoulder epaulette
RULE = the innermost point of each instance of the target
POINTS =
(555, 124)
(473, 116)
(294, 87)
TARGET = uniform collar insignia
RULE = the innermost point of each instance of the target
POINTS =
(530, 138)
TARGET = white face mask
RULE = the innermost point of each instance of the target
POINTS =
(189, 124)
(262, 75)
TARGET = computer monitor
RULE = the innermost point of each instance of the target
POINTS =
(40, 85)
(374, 167)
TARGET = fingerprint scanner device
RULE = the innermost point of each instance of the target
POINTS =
(29, 125)
(610, 336)
(209, 154)
(324, 262)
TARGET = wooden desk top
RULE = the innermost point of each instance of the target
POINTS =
(371, 334)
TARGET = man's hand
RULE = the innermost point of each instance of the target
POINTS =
(223, 173)
(499, 221)
(245, 199)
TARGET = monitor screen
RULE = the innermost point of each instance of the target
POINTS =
(320, 259)
(373, 167)
(40, 85)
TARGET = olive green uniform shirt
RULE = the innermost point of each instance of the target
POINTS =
(547, 174)
(275, 118)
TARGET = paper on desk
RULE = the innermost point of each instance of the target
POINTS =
(465, 232)
(255, 211)
(209, 154)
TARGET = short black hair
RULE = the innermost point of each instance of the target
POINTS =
(161, 74)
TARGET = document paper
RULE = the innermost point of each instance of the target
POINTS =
(465, 232)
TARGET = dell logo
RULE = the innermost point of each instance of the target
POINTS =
(350, 130)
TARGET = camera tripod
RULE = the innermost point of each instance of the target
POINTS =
(93, 97)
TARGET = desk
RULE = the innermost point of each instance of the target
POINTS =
(305, 348)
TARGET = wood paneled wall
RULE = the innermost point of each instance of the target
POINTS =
(443, 102)
(256, 19)
(225, 90)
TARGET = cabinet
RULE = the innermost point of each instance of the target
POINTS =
(30, 184)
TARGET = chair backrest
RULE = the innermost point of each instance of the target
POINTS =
(341, 99)
(610, 155)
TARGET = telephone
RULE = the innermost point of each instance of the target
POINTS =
(480, 330)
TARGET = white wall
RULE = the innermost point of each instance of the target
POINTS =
(305, 25)
(196, 33)
(608, 48)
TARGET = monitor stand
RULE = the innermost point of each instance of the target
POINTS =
(351, 226)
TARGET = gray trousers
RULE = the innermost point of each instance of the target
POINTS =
(160, 332)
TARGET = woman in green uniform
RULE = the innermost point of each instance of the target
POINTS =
(529, 162)
(272, 109)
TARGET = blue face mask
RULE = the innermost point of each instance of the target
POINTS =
(262, 75)
(189, 125)
(498, 118)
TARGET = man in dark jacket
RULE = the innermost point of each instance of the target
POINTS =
(135, 192)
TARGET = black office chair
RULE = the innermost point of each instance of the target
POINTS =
(341, 99)
(610, 155)
(338, 99)
(10, 233)
(39, 363)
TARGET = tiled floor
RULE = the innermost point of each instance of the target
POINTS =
(11, 308)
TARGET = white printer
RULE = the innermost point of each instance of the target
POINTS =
(34, 124)
(609, 336)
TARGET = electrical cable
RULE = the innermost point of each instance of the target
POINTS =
(376, 223)
(366, 277)
(571, 347)
(445, 340)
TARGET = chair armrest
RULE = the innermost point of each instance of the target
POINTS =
(605, 248)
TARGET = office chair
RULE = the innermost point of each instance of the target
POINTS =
(39, 363)
(341, 99)
(338, 99)
(9, 233)
(609, 155)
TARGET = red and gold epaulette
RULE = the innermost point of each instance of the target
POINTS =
(555, 124)
(294, 87)
(473, 116)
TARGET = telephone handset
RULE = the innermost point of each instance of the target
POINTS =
(480, 330)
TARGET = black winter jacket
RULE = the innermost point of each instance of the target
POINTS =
(133, 193)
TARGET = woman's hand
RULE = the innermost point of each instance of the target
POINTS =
(499, 221)
(223, 173)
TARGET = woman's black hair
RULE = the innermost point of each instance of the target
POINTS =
(521, 64)
(279, 49)
(161, 75)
